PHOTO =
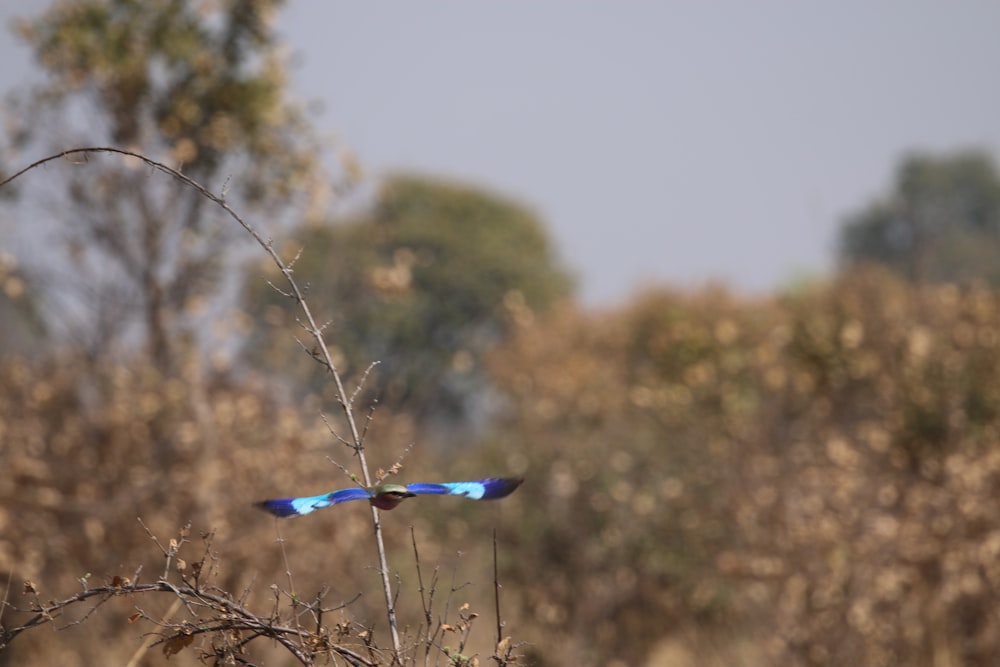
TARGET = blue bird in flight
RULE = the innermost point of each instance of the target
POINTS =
(387, 496)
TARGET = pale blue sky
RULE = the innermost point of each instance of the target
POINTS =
(666, 142)
(662, 141)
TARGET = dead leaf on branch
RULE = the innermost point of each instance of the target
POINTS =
(177, 643)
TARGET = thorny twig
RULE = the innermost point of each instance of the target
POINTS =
(228, 616)
(321, 352)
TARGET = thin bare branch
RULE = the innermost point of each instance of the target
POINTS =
(398, 464)
(146, 645)
(363, 381)
(320, 352)
(334, 432)
(496, 588)
(230, 616)
(280, 291)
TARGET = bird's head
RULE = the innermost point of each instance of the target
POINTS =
(388, 496)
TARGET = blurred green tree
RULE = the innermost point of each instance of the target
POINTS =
(23, 330)
(199, 85)
(424, 282)
(940, 223)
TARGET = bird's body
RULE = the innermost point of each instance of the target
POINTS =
(387, 496)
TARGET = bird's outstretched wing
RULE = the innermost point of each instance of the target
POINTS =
(480, 489)
(286, 507)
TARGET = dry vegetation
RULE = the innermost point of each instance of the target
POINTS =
(801, 480)
(79, 476)
(124, 432)
(806, 480)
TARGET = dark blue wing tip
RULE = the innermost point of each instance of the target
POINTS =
(501, 487)
(279, 507)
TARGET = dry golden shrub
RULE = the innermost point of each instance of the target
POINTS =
(816, 473)
(808, 479)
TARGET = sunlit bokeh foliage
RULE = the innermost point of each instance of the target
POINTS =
(807, 479)
(804, 480)
(417, 281)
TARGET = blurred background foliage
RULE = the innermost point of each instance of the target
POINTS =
(423, 281)
(940, 222)
(807, 478)
(798, 480)
(198, 85)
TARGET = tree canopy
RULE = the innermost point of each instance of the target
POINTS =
(199, 85)
(939, 223)
(423, 281)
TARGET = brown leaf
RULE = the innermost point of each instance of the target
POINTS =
(117, 581)
(135, 617)
(181, 564)
(177, 643)
(503, 646)
(29, 587)
(447, 628)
